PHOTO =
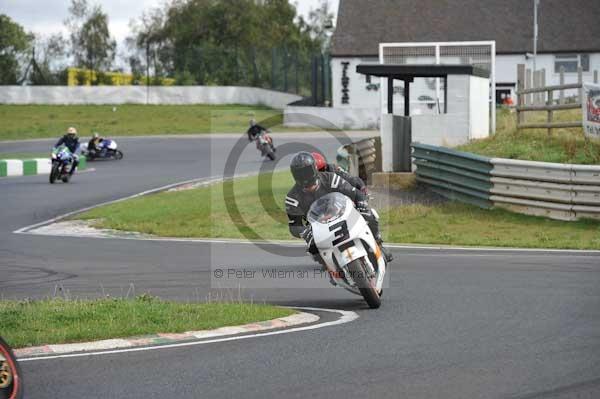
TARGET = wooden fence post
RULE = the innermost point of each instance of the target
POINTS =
(520, 96)
(550, 113)
(527, 85)
(580, 81)
(542, 84)
(562, 82)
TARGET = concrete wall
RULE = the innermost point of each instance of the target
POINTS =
(479, 111)
(339, 118)
(144, 95)
(467, 116)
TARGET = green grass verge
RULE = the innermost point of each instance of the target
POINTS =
(24, 155)
(31, 323)
(21, 122)
(563, 146)
(460, 224)
(202, 213)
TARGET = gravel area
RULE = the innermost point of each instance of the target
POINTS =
(387, 198)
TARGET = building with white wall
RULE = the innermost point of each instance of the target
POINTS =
(568, 36)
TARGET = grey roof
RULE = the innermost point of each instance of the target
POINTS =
(564, 25)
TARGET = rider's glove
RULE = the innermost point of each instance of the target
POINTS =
(307, 234)
(363, 207)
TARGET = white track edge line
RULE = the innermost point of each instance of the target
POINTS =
(346, 317)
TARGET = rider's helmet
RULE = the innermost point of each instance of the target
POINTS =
(320, 161)
(96, 135)
(304, 170)
(71, 131)
(252, 122)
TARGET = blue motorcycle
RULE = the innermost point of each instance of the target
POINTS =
(62, 164)
(107, 149)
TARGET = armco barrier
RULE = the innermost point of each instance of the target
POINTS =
(28, 167)
(456, 175)
(557, 191)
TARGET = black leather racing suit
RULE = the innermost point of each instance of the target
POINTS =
(298, 202)
(354, 181)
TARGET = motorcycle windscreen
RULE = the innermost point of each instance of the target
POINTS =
(327, 208)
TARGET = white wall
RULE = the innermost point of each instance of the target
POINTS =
(479, 110)
(143, 95)
(360, 97)
(328, 118)
(467, 116)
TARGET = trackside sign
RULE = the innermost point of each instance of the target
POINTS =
(591, 110)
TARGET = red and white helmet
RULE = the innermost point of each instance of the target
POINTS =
(320, 161)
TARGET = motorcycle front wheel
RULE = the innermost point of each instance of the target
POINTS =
(118, 155)
(365, 284)
(54, 172)
(11, 383)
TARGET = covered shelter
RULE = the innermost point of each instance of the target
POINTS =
(465, 115)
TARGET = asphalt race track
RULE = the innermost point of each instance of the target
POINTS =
(453, 324)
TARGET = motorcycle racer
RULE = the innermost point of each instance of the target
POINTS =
(254, 130)
(311, 185)
(323, 166)
(71, 141)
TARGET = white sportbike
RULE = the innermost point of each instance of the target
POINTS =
(346, 244)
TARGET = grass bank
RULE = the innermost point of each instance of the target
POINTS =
(202, 213)
(24, 155)
(563, 146)
(21, 122)
(461, 224)
(32, 323)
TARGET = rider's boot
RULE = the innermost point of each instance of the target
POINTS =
(388, 255)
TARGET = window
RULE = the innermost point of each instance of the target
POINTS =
(570, 62)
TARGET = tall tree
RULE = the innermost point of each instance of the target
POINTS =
(15, 44)
(91, 43)
(320, 21)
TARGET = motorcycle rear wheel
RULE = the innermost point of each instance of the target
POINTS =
(11, 383)
(365, 285)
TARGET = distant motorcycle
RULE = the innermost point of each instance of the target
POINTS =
(106, 149)
(264, 145)
(11, 383)
(62, 163)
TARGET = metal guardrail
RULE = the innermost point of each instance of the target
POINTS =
(558, 191)
(456, 175)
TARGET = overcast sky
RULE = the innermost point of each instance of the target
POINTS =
(46, 16)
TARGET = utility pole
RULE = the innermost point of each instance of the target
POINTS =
(536, 3)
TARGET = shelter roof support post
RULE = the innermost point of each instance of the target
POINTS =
(407, 97)
(390, 95)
